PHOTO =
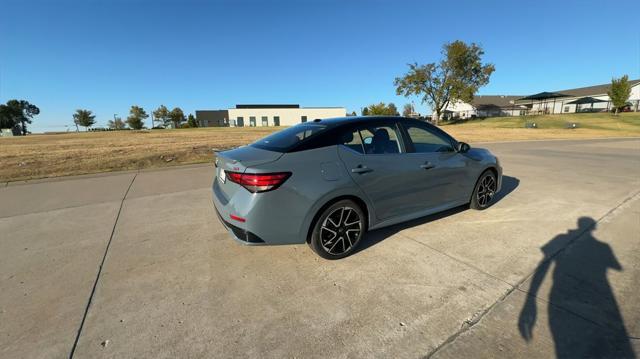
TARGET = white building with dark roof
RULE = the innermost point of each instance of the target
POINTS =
(486, 106)
(595, 99)
(564, 103)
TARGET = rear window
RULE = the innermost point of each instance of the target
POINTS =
(287, 139)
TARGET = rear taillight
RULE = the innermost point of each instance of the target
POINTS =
(258, 182)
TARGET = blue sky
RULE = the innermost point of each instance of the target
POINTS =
(108, 55)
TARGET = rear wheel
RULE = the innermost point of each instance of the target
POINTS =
(338, 230)
(485, 191)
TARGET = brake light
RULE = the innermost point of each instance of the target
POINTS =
(258, 182)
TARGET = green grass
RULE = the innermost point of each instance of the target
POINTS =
(597, 121)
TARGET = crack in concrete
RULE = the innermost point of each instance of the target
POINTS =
(467, 325)
(95, 283)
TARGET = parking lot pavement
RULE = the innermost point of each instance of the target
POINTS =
(174, 284)
(586, 308)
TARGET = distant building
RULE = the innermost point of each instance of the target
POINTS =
(486, 106)
(598, 92)
(254, 115)
(510, 105)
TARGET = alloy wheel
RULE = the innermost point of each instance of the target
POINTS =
(486, 190)
(341, 230)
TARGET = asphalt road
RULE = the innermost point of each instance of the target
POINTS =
(137, 265)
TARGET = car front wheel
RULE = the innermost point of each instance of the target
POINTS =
(338, 230)
(485, 191)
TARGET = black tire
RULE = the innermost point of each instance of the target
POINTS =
(485, 191)
(337, 232)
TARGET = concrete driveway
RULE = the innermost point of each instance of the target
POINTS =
(137, 265)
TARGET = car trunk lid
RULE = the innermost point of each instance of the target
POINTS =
(238, 160)
(241, 158)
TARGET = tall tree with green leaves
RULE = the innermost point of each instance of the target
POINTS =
(191, 121)
(136, 117)
(457, 77)
(116, 124)
(365, 111)
(28, 111)
(619, 92)
(18, 112)
(162, 114)
(84, 118)
(9, 116)
(381, 109)
(176, 116)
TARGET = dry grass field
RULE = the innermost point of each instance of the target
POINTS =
(39, 156)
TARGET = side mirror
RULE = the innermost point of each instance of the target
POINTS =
(368, 140)
(463, 147)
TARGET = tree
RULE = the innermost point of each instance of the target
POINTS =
(457, 77)
(162, 114)
(27, 112)
(17, 112)
(393, 110)
(136, 117)
(176, 116)
(9, 116)
(84, 118)
(365, 111)
(116, 124)
(191, 121)
(381, 109)
(407, 110)
(619, 92)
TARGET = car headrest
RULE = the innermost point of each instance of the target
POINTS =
(381, 134)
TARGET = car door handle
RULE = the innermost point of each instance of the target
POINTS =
(361, 169)
(427, 165)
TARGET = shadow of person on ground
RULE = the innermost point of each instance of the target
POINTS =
(509, 184)
(584, 318)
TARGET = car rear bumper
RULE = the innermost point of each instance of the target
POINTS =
(270, 218)
(240, 235)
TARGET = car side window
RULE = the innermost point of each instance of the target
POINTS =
(373, 140)
(353, 141)
(380, 140)
(425, 141)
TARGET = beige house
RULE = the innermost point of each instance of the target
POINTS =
(254, 115)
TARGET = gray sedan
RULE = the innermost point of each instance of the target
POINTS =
(329, 181)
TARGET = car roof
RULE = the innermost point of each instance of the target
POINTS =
(337, 121)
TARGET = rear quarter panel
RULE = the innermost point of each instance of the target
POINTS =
(318, 177)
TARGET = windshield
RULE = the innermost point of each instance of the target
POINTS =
(285, 140)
